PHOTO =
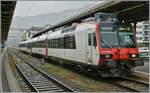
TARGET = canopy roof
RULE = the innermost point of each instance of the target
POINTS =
(129, 11)
(7, 10)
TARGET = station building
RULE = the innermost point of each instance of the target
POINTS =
(143, 36)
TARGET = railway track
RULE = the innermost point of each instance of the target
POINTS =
(131, 84)
(37, 80)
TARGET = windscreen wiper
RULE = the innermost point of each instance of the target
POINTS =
(106, 43)
(125, 43)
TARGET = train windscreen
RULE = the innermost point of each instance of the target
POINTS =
(117, 36)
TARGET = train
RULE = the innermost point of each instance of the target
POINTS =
(101, 43)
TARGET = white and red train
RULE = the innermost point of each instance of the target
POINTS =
(103, 44)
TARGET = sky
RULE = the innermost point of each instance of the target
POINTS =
(31, 8)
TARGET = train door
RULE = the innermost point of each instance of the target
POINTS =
(89, 48)
(95, 56)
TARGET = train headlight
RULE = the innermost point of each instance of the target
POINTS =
(107, 56)
(133, 55)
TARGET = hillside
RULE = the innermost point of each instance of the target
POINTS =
(42, 19)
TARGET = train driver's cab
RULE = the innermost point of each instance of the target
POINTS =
(115, 34)
(117, 38)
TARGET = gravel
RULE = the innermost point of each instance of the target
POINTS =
(76, 81)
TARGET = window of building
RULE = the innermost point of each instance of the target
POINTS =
(146, 38)
(146, 27)
(146, 22)
(138, 26)
(146, 32)
(138, 32)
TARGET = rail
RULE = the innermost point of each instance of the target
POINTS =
(38, 80)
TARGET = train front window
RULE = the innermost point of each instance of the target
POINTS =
(125, 28)
(109, 39)
(126, 36)
(117, 36)
(127, 40)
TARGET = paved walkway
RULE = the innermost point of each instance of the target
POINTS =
(1, 60)
(144, 68)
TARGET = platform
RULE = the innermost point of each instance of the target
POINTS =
(144, 69)
(7, 80)
(1, 89)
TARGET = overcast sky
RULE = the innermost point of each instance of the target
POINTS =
(30, 8)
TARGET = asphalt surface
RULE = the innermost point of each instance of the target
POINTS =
(5, 85)
(3, 79)
(144, 68)
(0, 72)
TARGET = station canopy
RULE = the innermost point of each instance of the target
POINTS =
(7, 10)
(129, 11)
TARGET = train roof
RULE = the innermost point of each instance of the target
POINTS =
(58, 33)
(39, 38)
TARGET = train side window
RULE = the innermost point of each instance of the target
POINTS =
(30, 45)
(89, 39)
(42, 43)
(34, 44)
(39, 43)
(94, 40)
(60, 43)
(72, 42)
(49, 43)
(69, 42)
(63, 42)
(56, 43)
(52, 43)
